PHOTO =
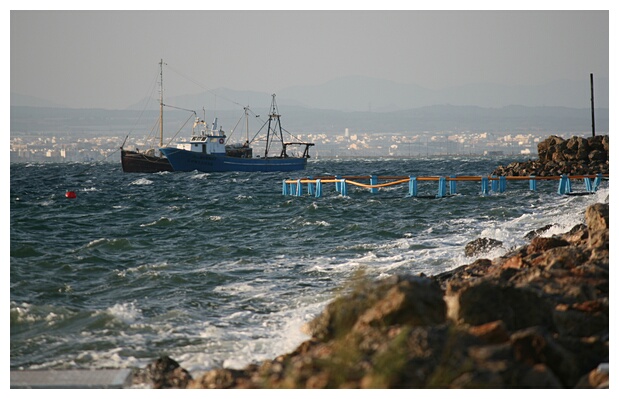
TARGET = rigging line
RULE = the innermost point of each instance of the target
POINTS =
(234, 128)
(182, 109)
(258, 132)
(258, 116)
(181, 128)
(296, 137)
(150, 96)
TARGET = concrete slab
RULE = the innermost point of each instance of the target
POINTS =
(64, 379)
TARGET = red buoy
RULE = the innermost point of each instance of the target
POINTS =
(70, 194)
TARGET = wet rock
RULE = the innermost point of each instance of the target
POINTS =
(540, 244)
(481, 245)
(537, 232)
(164, 372)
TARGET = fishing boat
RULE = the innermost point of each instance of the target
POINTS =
(134, 161)
(209, 150)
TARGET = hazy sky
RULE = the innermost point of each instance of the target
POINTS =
(109, 59)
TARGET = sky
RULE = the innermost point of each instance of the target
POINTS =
(108, 59)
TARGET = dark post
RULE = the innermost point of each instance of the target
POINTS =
(592, 112)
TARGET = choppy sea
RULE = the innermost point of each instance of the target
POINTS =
(222, 270)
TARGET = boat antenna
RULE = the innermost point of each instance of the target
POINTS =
(592, 110)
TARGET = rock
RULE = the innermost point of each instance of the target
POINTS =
(597, 219)
(539, 376)
(481, 245)
(164, 372)
(540, 244)
(484, 302)
(537, 232)
(536, 345)
(597, 378)
(494, 332)
(582, 319)
(403, 300)
(219, 379)
(416, 301)
(556, 156)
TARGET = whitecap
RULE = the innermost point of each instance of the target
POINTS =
(200, 176)
(141, 182)
(125, 312)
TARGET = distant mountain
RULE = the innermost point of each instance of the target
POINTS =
(297, 119)
(363, 94)
(21, 100)
(356, 93)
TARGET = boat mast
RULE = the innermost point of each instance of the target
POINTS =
(161, 103)
(246, 124)
(273, 115)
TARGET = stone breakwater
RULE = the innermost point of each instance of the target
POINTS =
(557, 156)
(537, 317)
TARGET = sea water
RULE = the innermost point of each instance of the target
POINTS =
(222, 270)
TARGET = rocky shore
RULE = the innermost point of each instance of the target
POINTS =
(556, 156)
(536, 317)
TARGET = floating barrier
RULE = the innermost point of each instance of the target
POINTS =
(497, 184)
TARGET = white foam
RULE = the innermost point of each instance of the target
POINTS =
(142, 181)
(128, 313)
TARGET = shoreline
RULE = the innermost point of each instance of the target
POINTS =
(536, 317)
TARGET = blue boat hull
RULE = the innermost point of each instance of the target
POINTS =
(186, 161)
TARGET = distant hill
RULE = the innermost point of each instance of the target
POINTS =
(363, 94)
(355, 93)
(297, 119)
(20, 100)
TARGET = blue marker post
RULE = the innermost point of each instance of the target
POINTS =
(484, 185)
(299, 188)
(502, 184)
(412, 186)
(442, 187)
(318, 188)
(373, 182)
(597, 182)
(532, 183)
(564, 185)
(343, 190)
(588, 184)
(338, 185)
(495, 184)
(284, 187)
(310, 187)
(452, 185)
